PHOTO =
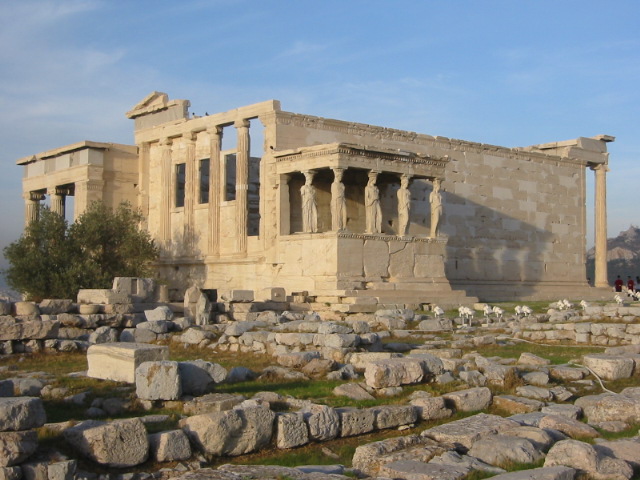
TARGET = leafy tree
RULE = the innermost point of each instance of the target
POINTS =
(55, 260)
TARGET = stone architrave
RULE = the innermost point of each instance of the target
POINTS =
(338, 201)
(309, 206)
(118, 361)
(372, 205)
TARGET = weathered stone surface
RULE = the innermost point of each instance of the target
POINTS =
(541, 439)
(103, 334)
(356, 421)
(431, 408)
(504, 449)
(16, 329)
(199, 377)
(609, 367)
(567, 374)
(353, 391)
(543, 473)
(536, 378)
(212, 402)
(323, 422)
(118, 361)
(392, 416)
(26, 309)
(500, 375)
(612, 407)
(161, 313)
(194, 336)
(568, 426)
(319, 367)
(21, 413)
(291, 430)
(371, 457)
(565, 410)
(157, 327)
(158, 381)
(415, 470)
(169, 446)
(16, 447)
(360, 359)
(465, 461)
(296, 359)
(627, 449)
(55, 306)
(588, 459)
(538, 393)
(394, 372)
(466, 431)
(10, 473)
(121, 443)
(473, 378)
(469, 400)
(514, 404)
(233, 432)
(527, 358)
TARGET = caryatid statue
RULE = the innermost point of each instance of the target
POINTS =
(435, 199)
(372, 205)
(338, 201)
(404, 205)
(309, 207)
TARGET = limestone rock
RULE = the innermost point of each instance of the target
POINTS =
(527, 358)
(158, 381)
(543, 473)
(612, 408)
(296, 359)
(199, 377)
(16, 447)
(118, 361)
(565, 410)
(371, 457)
(588, 459)
(233, 432)
(469, 400)
(353, 391)
(169, 446)
(212, 402)
(291, 430)
(356, 421)
(504, 449)
(323, 422)
(538, 393)
(394, 372)
(415, 470)
(121, 443)
(468, 430)
(392, 416)
(10, 473)
(472, 463)
(103, 335)
(627, 449)
(568, 426)
(18, 329)
(161, 313)
(609, 367)
(431, 408)
(514, 404)
(21, 413)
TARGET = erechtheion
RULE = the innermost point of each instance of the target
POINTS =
(259, 197)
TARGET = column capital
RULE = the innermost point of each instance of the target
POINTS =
(242, 123)
(166, 142)
(190, 137)
(600, 167)
(33, 196)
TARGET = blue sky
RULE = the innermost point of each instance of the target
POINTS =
(511, 73)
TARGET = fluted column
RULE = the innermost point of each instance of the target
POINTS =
(190, 189)
(167, 194)
(57, 200)
(215, 141)
(86, 192)
(242, 184)
(601, 225)
(143, 180)
(32, 207)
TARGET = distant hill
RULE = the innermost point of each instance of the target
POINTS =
(623, 256)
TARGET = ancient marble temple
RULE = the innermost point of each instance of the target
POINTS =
(258, 197)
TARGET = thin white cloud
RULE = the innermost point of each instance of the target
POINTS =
(301, 48)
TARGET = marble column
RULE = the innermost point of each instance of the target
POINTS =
(190, 189)
(87, 192)
(32, 207)
(215, 141)
(404, 205)
(167, 193)
(601, 225)
(57, 200)
(338, 201)
(284, 212)
(143, 181)
(373, 210)
(242, 184)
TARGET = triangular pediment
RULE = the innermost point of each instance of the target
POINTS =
(153, 102)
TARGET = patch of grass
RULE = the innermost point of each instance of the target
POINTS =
(630, 431)
(51, 363)
(254, 361)
(478, 475)
(518, 466)
(557, 354)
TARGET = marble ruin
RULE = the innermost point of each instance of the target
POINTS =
(258, 197)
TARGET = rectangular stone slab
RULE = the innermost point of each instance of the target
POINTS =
(118, 361)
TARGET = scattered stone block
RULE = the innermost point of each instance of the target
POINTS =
(468, 430)
(394, 372)
(588, 459)
(543, 473)
(415, 470)
(356, 421)
(431, 408)
(568, 426)
(118, 361)
(121, 443)
(392, 416)
(353, 391)
(234, 432)
(609, 407)
(291, 430)
(20, 329)
(527, 358)
(103, 334)
(169, 446)
(16, 447)
(469, 400)
(565, 410)
(213, 402)
(505, 449)
(10, 473)
(25, 309)
(514, 404)
(54, 306)
(323, 422)
(158, 380)
(21, 413)
(199, 377)
(537, 393)
(609, 367)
